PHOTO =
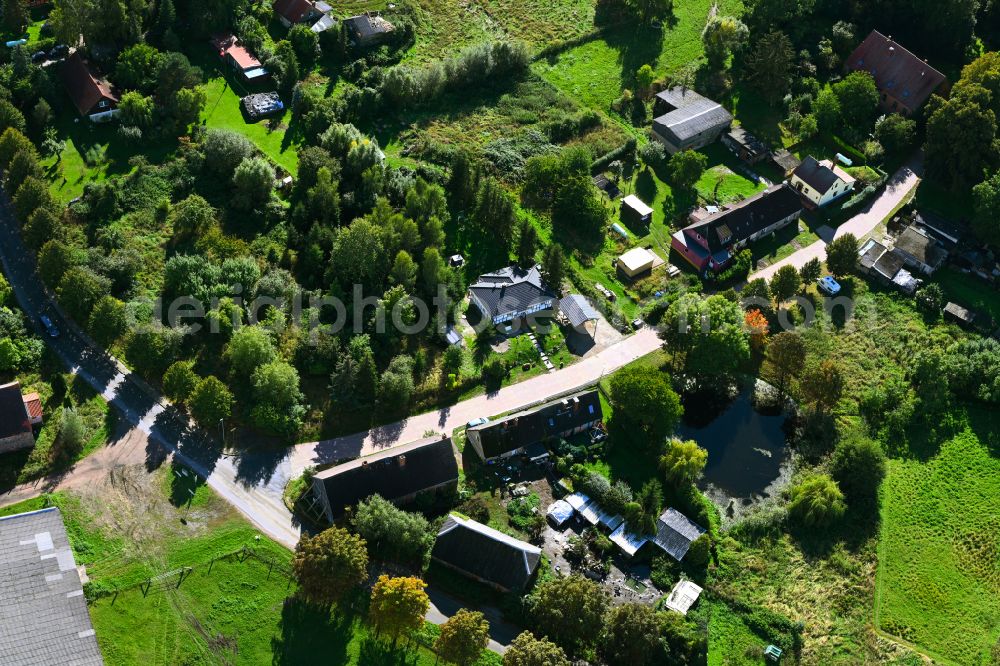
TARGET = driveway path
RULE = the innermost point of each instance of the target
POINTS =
(253, 483)
(900, 184)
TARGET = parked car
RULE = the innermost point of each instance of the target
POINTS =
(828, 285)
(39, 56)
(597, 435)
(50, 328)
(59, 51)
(477, 422)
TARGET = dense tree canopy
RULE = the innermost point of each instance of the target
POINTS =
(329, 565)
(570, 611)
(644, 402)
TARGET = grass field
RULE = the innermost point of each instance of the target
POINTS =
(541, 24)
(222, 110)
(596, 72)
(939, 556)
(730, 641)
(444, 27)
(235, 613)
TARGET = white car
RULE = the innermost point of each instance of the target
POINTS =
(828, 285)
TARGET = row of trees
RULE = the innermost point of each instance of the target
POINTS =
(332, 567)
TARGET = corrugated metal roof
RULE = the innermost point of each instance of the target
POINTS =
(578, 310)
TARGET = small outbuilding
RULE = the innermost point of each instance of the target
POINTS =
(920, 251)
(675, 533)
(578, 311)
(635, 209)
(368, 29)
(628, 542)
(744, 145)
(960, 315)
(683, 596)
(559, 513)
(636, 261)
(577, 501)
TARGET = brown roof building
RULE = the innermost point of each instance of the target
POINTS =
(236, 56)
(93, 97)
(18, 415)
(291, 12)
(904, 80)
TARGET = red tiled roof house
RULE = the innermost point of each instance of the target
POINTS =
(904, 80)
(291, 12)
(94, 98)
(236, 56)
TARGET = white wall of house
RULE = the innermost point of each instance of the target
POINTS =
(820, 199)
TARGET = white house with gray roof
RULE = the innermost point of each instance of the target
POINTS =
(512, 293)
(687, 121)
(43, 613)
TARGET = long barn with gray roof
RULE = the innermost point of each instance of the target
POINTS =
(687, 121)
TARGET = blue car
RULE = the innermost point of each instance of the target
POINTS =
(50, 328)
(477, 422)
(828, 285)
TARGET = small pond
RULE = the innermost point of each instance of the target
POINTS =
(746, 448)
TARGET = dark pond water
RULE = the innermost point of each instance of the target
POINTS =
(746, 448)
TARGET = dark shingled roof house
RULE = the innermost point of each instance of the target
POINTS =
(511, 293)
(687, 121)
(368, 29)
(710, 244)
(92, 97)
(904, 80)
(398, 474)
(484, 554)
(512, 434)
(43, 613)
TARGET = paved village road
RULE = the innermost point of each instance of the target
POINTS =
(253, 482)
(899, 186)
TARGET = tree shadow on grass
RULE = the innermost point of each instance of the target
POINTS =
(308, 632)
(377, 653)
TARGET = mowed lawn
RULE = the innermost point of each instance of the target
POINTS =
(939, 556)
(234, 614)
(596, 72)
